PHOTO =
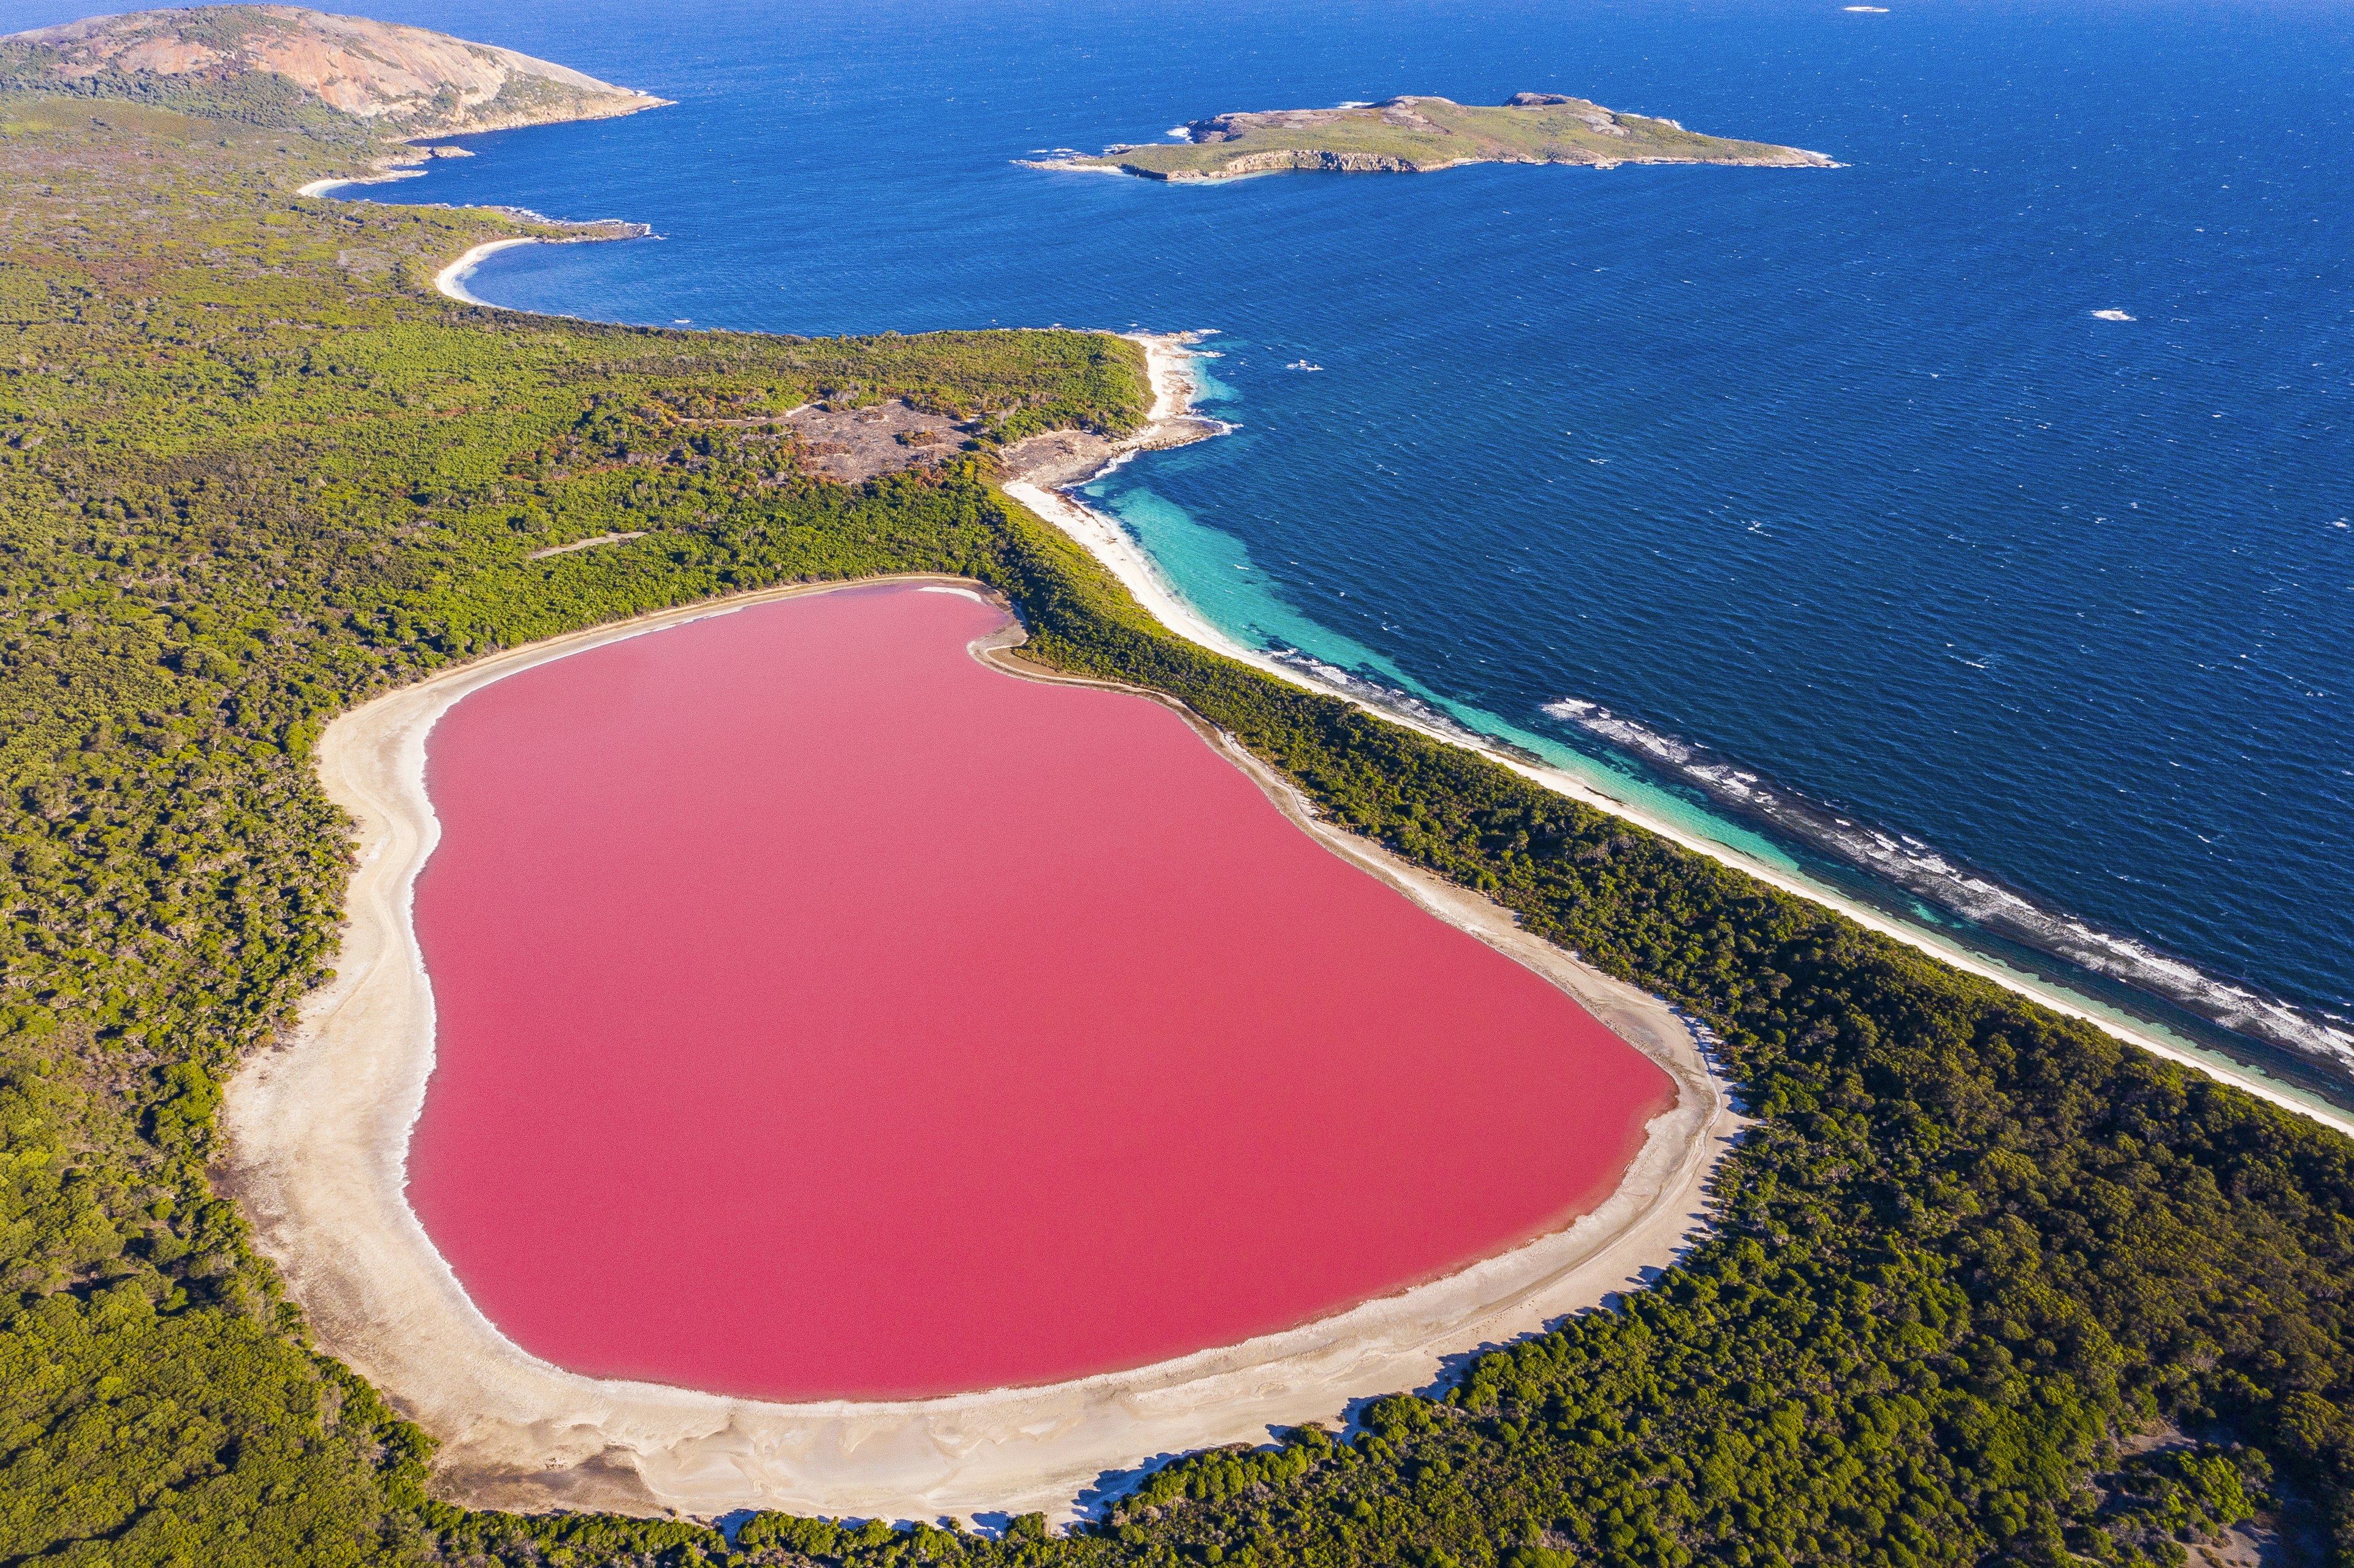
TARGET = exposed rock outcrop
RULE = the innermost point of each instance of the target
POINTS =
(1399, 113)
(261, 62)
(1329, 161)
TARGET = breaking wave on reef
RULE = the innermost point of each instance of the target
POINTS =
(2313, 1036)
(2319, 1038)
(1389, 698)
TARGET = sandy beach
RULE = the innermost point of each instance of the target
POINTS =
(388, 170)
(452, 279)
(1168, 362)
(403, 163)
(319, 1130)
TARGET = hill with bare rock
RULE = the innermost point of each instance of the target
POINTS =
(1415, 134)
(282, 65)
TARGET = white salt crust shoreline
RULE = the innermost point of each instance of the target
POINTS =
(319, 1130)
(1168, 365)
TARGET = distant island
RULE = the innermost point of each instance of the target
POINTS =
(285, 66)
(1416, 134)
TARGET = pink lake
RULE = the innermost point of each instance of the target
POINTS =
(821, 1014)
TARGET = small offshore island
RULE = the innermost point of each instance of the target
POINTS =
(1412, 135)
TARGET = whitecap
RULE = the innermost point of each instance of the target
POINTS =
(1919, 869)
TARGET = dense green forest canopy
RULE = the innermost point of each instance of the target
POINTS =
(1983, 1284)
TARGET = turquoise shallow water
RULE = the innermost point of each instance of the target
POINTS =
(1818, 502)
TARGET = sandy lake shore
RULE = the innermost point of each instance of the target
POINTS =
(319, 1131)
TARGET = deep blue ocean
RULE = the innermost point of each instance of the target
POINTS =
(1818, 502)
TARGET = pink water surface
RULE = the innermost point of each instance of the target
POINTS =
(821, 1014)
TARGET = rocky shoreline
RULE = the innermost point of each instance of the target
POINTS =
(401, 165)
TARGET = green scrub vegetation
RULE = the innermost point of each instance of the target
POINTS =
(1971, 1267)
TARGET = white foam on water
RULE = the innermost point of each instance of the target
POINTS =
(2310, 1033)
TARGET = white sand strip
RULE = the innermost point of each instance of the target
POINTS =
(387, 173)
(452, 279)
(1168, 365)
(318, 1137)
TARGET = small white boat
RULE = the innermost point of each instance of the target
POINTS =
(1302, 364)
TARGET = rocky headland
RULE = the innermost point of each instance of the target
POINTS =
(282, 65)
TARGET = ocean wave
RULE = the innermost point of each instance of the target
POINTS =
(2312, 1035)
(1379, 694)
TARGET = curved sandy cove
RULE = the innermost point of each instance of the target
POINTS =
(319, 1131)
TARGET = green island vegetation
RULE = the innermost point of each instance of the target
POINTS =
(1983, 1284)
(1414, 135)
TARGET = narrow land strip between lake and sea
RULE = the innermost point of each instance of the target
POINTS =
(1053, 498)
